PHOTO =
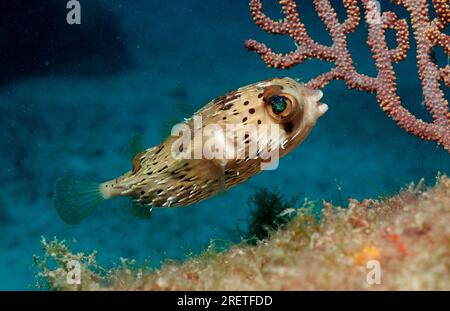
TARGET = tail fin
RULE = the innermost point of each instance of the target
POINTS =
(76, 199)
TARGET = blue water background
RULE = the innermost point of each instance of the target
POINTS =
(76, 119)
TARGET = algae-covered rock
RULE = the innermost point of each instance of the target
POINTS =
(396, 243)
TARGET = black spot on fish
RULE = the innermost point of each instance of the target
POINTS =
(246, 103)
(159, 191)
(220, 99)
(259, 122)
(288, 127)
(224, 118)
(162, 169)
(233, 96)
(243, 120)
(226, 106)
(159, 150)
(224, 100)
(260, 95)
(251, 110)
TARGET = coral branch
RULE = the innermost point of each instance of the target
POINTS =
(445, 75)
(442, 8)
(427, 34)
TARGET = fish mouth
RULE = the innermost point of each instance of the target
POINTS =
(317, 109)
(321, 108)
(316, 95)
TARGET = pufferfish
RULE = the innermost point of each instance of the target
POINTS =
(159, 177)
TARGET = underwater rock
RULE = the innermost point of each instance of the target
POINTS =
(406, 237)
(36, 39)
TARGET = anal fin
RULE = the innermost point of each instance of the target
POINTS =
(140, 210)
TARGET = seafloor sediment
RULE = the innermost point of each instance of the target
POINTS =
(407, 235)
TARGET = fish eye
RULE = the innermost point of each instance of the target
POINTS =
(278, 104)
(281, 106)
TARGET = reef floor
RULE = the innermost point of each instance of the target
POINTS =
(393, 243)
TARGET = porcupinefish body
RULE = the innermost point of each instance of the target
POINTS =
(221, 145)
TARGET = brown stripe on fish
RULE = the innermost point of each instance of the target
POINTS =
(270, 91)
(136, 163)
(225, 101)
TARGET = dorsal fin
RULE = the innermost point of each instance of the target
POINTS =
(136, 163)
(135, 147)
